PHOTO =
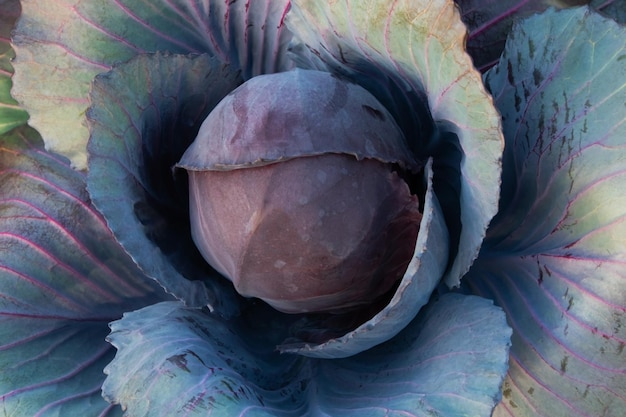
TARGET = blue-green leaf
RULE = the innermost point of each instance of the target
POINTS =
(62, 44)
(53, 368)
(175, 361)
(63, 277)
(555, 255)
(411, 56)
(144, 114)
(450, 362)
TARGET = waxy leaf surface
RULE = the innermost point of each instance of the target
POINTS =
(175, 361)
(411, 56)
(419, 281)
(63, 277)
(554, 257)
(144, 114)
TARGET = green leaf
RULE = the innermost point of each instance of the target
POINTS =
(175, 361)
(11, 115)
(62, 44)
(63, 277)
(554, 256)
(144, 115)
(411, 56)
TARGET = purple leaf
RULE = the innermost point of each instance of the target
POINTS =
(422, 276)
(173, 360)
(63, 277)
(554, 257)
(411, 56)
(490, 21)
(144, 114)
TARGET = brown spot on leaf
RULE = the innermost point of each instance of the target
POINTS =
(509, 67)
(180, 361)
(537, 76)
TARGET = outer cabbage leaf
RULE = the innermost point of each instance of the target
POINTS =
(144, 115)
(63, 277)
(420, 279)
(411, 56)
(555, 255)
(11, 115)
(62, 44)
(490, 21)
(175, 361)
